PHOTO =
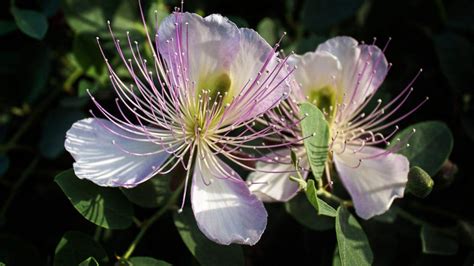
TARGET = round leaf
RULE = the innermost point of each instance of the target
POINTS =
(32, 23)
(435, 242)
(353, 245)
(103, 206)
(430, 146)
(77, 248)
(204, 250)
(302, 211)
(150, 194)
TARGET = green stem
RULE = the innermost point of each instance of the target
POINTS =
(146, 224)
(77, 73)
(18, 184)
(330, 196)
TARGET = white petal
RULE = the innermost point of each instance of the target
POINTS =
(375, 183)
(316, 70)
(250, 58)
(225, 210)
(364, 68)
(277, 186)
(98, 159)
(209, 43)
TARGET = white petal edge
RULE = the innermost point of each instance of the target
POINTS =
(250, 58)
(316, 70)
(209, 42)
(91, 143)
(367, 60)
(374, 183)
(277, 187)
(225, 210)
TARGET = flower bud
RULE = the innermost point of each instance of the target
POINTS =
(419, 183)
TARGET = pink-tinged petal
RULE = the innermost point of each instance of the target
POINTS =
(208, 43)
(372, 183)
(225, 210)
(256, 55)
(271, 187)
(316, 70)
(103, 156)
(364, 68)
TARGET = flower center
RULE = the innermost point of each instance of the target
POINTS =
(212, 96)
(325, 99)
(218, 84)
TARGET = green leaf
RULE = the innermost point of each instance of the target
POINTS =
(336, 258)
(419, 183)
(204, 250)
(150, 194)
(103, 206)
(321, 206)
(16, 251)
(354, 248)
(77, 248)
(84, 16)
(319, 15)
(86, 51)
(147, 261)
(7, 27)
(435, 242)
(430, 146)
(91, 16)
(302, 211)
(315, 125)
(89, 262)
(54, 128)
(267, 28)
(30, 22)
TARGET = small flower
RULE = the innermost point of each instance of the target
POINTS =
(341, 77)
(208, 78)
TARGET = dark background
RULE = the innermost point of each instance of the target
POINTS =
(42, 93)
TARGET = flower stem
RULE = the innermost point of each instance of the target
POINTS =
(323, 192)
(146, 224)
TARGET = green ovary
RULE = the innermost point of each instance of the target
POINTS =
(216, 84)
(323, 98)
(213, 88)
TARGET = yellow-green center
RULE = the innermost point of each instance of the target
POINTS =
(325, 99)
